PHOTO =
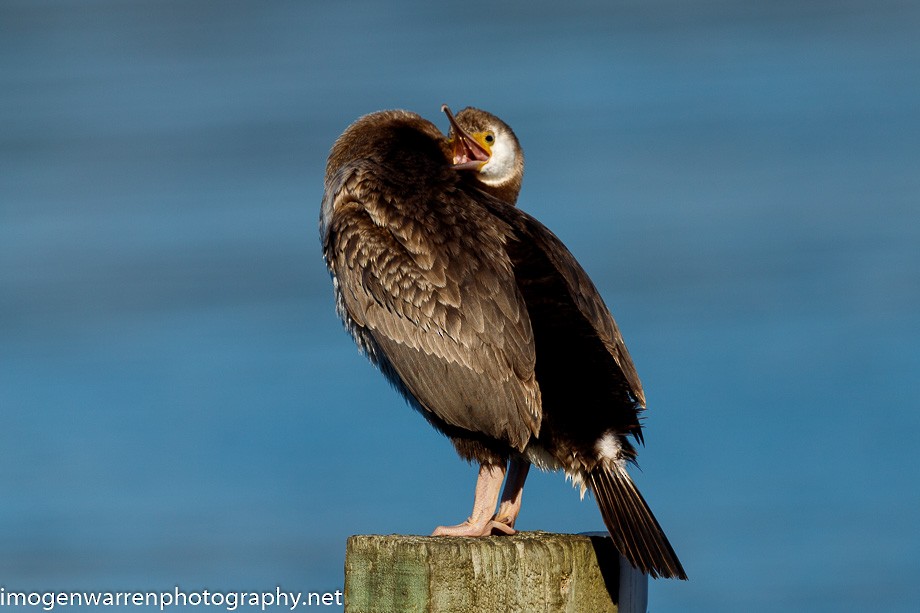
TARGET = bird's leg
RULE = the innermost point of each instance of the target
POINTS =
(480, 522)
(511, 496)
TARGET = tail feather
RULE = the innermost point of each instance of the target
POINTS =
(633, 527)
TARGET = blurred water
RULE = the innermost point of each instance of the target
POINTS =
(178, 404)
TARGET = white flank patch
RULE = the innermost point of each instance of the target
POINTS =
(610, 451)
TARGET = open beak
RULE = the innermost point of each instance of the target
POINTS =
(468, 153)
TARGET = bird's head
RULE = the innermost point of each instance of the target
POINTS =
(483, 144)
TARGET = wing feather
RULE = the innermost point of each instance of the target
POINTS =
(533, 235)
(438, 297)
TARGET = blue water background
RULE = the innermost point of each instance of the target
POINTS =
(179, 404)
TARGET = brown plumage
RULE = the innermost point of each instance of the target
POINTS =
(482, 319)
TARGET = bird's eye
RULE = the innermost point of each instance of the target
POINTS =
(490, 138)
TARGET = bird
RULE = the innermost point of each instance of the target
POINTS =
(483, 319)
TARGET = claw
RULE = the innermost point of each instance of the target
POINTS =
(467, 528)
(501, 527)
(484, 521)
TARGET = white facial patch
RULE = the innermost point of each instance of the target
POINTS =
(500, 166)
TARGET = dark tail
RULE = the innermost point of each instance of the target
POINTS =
(634, 529)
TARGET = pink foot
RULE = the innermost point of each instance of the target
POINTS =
(479, 523)
(469, 528)
(484, 521)
(510, 507)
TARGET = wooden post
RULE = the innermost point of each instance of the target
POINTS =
(530, 571)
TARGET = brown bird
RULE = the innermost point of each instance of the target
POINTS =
(483, 319)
